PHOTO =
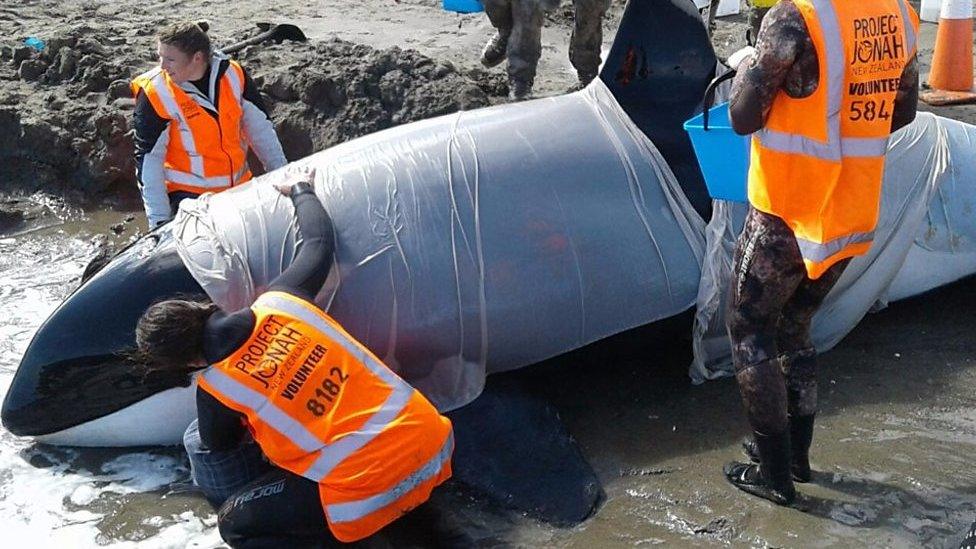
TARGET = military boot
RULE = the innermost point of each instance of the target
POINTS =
(494, 51)
(519, 90)
(585, 78)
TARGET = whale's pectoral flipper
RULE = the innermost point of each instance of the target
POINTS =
(512, 447)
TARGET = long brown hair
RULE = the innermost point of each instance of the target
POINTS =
(169, 335)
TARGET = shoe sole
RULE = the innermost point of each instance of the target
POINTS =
(762, 492)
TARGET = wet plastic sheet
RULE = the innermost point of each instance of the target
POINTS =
(926, 237)
(473, 243)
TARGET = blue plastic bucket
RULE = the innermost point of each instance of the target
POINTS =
(463, 6)
(722, 154)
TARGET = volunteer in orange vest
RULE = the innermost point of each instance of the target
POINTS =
(196, 115)
(354, 447)
(827, 83)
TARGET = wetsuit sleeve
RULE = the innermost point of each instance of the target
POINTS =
(307, 273)
(258, 129)
(151, 140)
(780, 42)
(220, 427)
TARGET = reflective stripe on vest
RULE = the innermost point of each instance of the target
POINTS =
(810, 174)
(835, 148)
(816, 251)
(206, 183)
(355, 510)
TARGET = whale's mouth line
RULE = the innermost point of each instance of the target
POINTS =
(82, 389)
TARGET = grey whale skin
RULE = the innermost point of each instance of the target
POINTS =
(76, 386)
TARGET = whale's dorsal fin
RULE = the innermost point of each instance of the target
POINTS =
(658, 67)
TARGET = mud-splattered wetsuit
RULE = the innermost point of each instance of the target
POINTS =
(519, 24)
(772, 299)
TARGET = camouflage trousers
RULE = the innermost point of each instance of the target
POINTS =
(520, 22)
(771, 307)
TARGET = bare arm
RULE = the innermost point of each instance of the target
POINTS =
(760, 77)
(906, 101)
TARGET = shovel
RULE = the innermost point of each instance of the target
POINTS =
(278, 33)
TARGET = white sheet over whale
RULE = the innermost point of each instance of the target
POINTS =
(926, 237)
(476, 242)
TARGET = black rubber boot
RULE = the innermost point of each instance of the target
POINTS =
(771, 479)
(801, 436)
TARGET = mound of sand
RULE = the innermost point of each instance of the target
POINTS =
(323, 94)
(65, 111)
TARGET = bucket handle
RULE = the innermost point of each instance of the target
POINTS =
(710, 95)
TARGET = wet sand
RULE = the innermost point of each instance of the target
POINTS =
(893, 449)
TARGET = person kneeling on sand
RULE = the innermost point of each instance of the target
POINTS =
(196, 115)
(353, 446)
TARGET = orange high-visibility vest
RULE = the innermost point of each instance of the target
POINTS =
(204, 154)
(819, 161)
(322, 406)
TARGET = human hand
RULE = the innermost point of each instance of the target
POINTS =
(738, 57)
(304, 174)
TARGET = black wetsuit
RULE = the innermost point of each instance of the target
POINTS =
(292, 515)
(280, 508)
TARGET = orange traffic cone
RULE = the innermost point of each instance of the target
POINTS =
(951, 79)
